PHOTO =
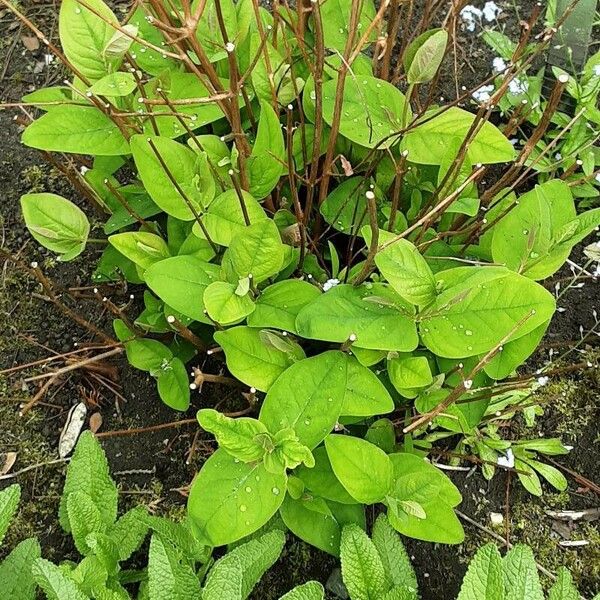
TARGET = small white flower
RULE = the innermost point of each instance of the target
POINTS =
(470, 15)
(48, 59)
(230, 47)
(498, 64)
(597, 178)
(518, 86)
(484, 93)
(543, 380)
(468, 384)
(508, 460)
(490, 11)
(558, 156)
(597, 70)
(83, 169)
(329, 284)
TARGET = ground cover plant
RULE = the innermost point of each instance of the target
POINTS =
(290, 210)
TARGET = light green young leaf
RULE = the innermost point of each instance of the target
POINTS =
(173, 385)
(563, 588)
(224, 305)
(335, 15)
(373, 313)
(428, 143)
(88, 472)
(84, 34)
(56, 223)
(362, 569)
(321, 481)
(114, 85)
(252, 358)
(398, 568)
(407, 272)
(76, 129)
(251, 559)
(149, 60)
(267, 160)
(179, 186)
(479, 308)
(9, 501)
(312, 590)
(120, 42)
(225, 216)
(373, 110)
(483, 580)
(287, 452)
(279, 304)
(55, 584)
(424, 56)
(170, 577)
(230, 499)
(208, 31)
(180, 282)
(365, 393)
(307, 397)
(361, 467)
(15, 571)
(521, 581)
(256, 251)
(84, 518)
(242, 437)
(141, 247)
(409, 372)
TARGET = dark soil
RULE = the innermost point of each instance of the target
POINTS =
(151, 467)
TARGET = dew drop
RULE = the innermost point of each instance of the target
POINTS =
(468, 332)
(248, 489)
(275, 491)
(243, 508)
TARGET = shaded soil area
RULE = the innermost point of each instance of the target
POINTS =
(154, 467)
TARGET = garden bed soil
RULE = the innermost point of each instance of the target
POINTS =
(151, 467)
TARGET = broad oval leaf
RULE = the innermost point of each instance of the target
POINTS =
(335, 16)
(307, 397)
(231, 499)
(224, 305)
(252, 357)
(365, 393)
(141, 247)
(56, 223)
(114, 85)
(362, 468)
(484, 579)
(424, 56)
(173, 385)
(409, 372)
(378, 317)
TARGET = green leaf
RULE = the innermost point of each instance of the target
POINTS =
(55, 584)
(120, 43)
(114, 85)
(362, 569)
(528, 477)
(77, 130)
(173, 385)
(382, 434)
(409, 372)
(225, 580)
(224, 305)
(345, 208)
(335, 16)
(397, 565)
(148, 355)
(479, 307)
(321, 481)
(307, 397)
(15, 571)
(230, 499)
(521, 580)
(563, 588)
(279, 304)
(84, 35)
(56, 223)
(428, 143)
(129, 531)
(320, 523)
(483, 580)
(225, 217)
(179, 187)
(88, 472)
(170, 577)
(180, 535)
(256, 251)
(311, 590)
(373, 110)
(365, 393)
(180, 282)
(361, 467)
(551, 474)
(251, 559)
(267, 160)
(84, 518)
(424, 56)
(239, 437)
(252, 358)
(371, 312)
(9, 502)
(407, 272)
(141, 247)
(417, 481)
